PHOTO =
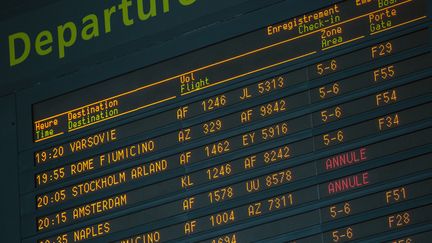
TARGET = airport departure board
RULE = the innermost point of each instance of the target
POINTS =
(313, 129)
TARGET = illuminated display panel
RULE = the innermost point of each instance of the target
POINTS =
(326, 151)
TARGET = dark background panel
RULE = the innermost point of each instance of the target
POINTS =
(9, 205)
(182, 31)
